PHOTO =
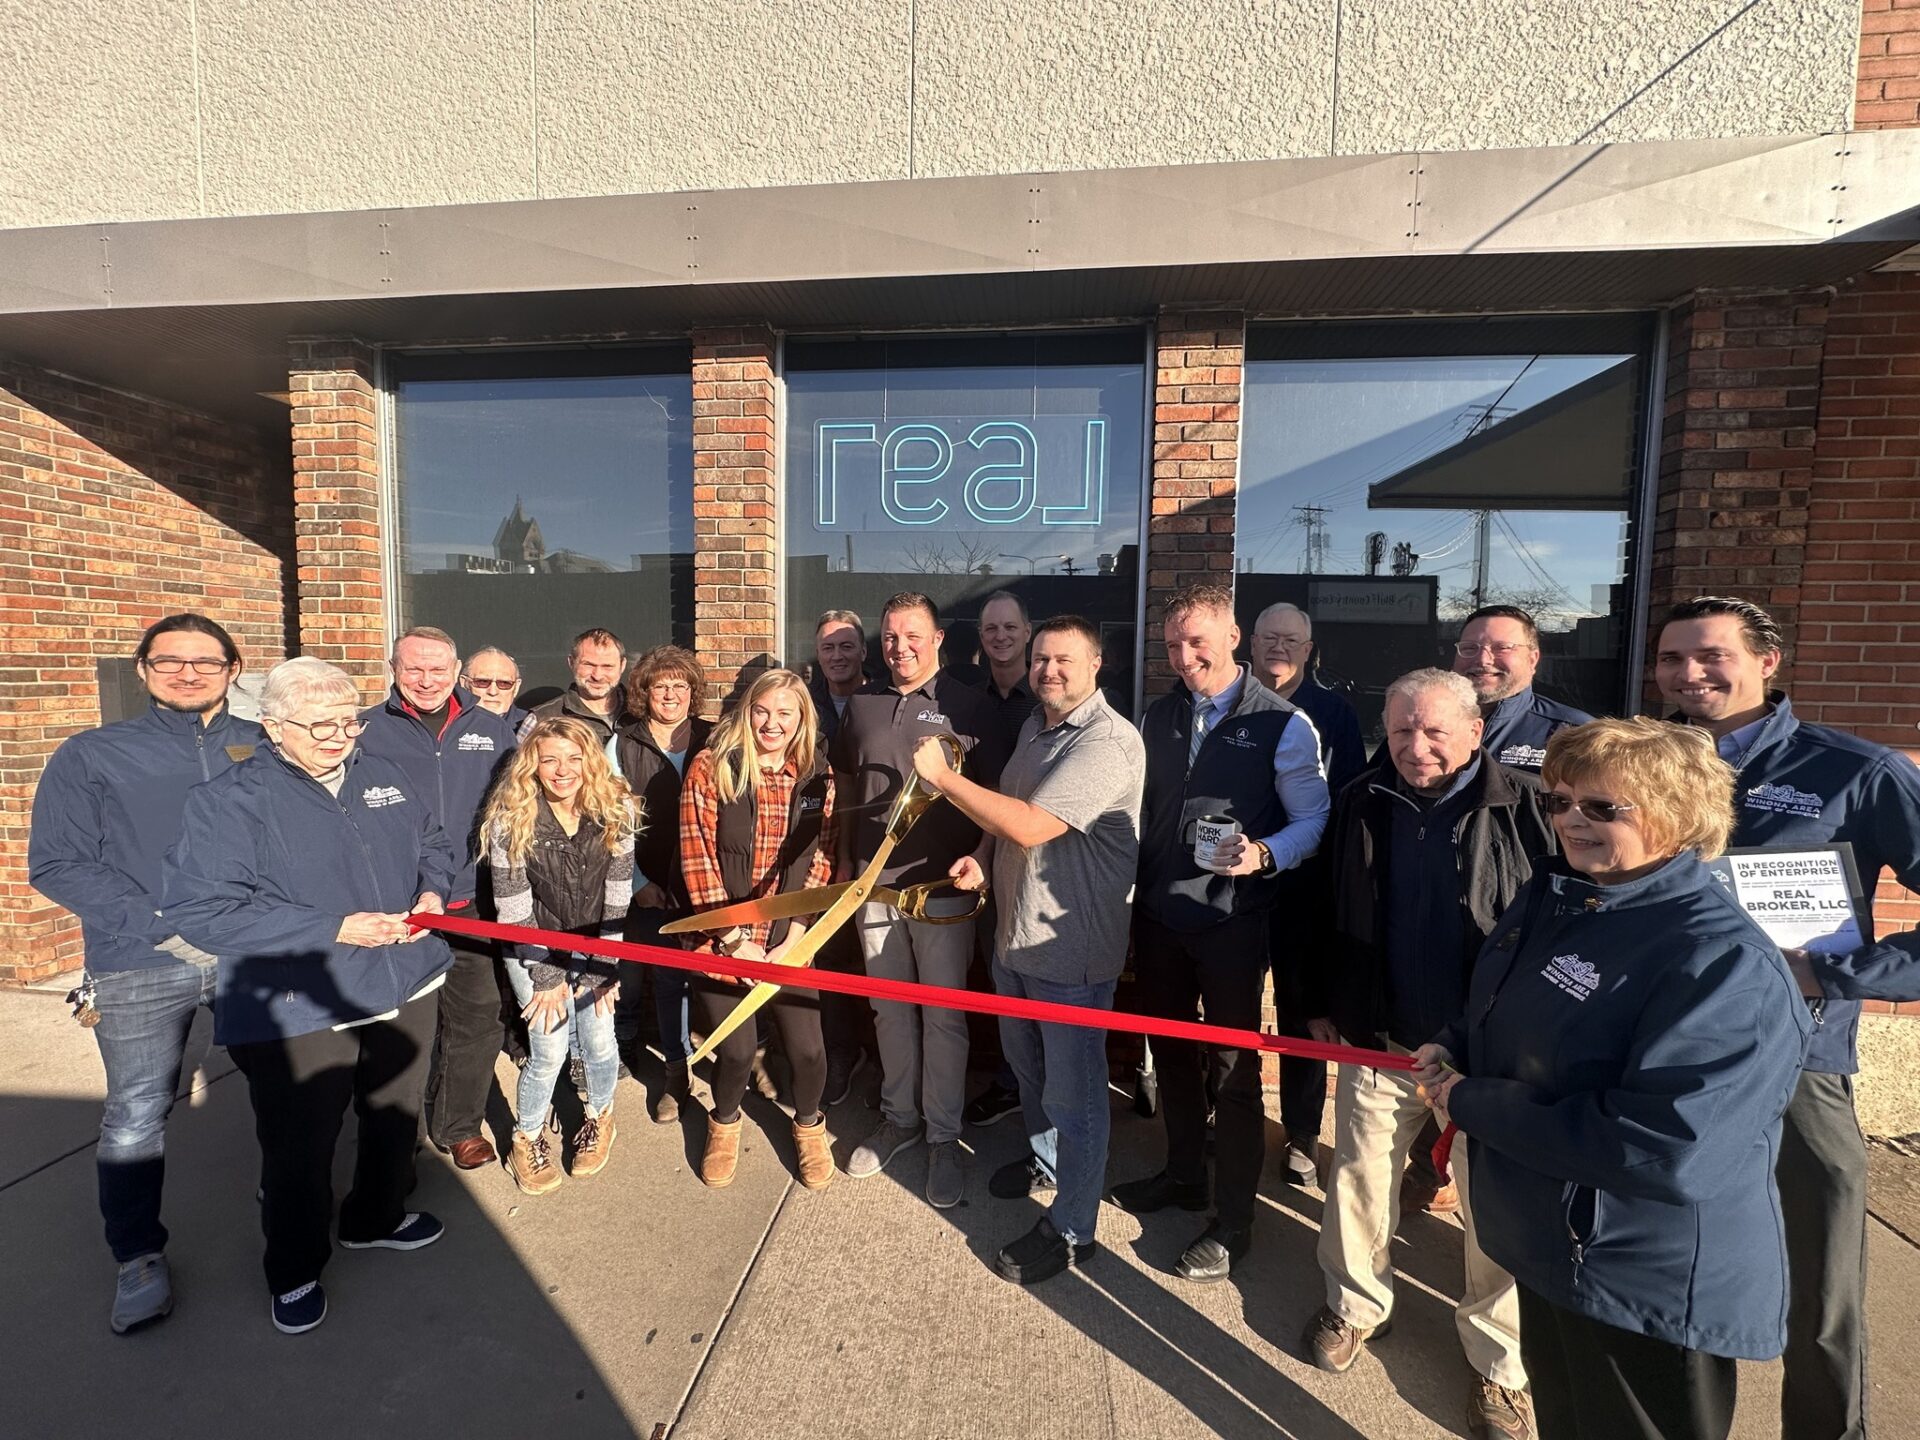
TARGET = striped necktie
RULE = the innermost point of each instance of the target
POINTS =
(1202, 721)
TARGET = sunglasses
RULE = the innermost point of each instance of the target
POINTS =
(476, 683)
(1601, 812)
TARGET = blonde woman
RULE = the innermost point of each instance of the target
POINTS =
(559, 833)
(1630, 1043)
(756, 818)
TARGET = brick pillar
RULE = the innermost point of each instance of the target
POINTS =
(1196, 462)
(339, 539)
(1858, 663)
(1736, 452)
(1887, 90)
(734, 503)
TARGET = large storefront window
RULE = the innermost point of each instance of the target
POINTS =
(543, 493)
(1396, 475)
(962, 466)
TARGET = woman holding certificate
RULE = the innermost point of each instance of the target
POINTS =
(756, 819)
(1629, 1044)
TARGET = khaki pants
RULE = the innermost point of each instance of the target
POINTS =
(1376, 1116)
(923, 1050)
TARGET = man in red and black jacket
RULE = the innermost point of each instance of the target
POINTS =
(452, 749)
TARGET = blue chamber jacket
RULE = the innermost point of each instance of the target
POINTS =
(453, 771)
(267, 866)
(108, 806)
(1630, 1050)
(1519, 727)
(1811, 785)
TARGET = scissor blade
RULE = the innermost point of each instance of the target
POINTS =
(756, 912)
(853, 895)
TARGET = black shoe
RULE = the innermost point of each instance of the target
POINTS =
(1039, 1254)
(1214, 1254)
(991, 1105)
(1146, 1093)
(1157, 1192)
(1020, 1179)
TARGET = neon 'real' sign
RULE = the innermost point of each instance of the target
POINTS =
(1038, 473)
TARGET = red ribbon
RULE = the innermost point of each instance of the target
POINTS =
(943, 996)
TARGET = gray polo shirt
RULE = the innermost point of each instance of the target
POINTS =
(1064, 905)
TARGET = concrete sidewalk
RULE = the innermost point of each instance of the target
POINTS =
(640, 1302)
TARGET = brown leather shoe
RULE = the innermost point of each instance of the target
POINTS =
(813, 1154)
(722, 1157)
(473, 1154)
(1333, 1344)
(1496, 1413)
(593, 1143)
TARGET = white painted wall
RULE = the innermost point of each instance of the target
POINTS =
(155, 109)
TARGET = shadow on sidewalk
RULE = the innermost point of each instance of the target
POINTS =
(458, 1339)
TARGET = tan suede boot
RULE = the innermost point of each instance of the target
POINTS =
(723, 1153)
(593, 1144)
(532, 1164)
(813, 1154)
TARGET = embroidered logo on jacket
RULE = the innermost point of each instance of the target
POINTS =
(1242, 738)
(1573, 975)
(1785, 800)
(378, 797)
(475, 742)
(931, 717)
(1527, 757)
(810, 803)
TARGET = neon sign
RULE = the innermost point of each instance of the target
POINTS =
(1044, 472)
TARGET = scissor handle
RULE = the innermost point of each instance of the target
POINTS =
(914, 797)
(913, 902)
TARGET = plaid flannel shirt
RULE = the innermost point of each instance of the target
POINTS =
(700, 829)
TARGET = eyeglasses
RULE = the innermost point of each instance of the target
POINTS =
(1499, 652)
(1284, 642)
(476, 683)
(1601, 812)
(173, 665)
(670, 687)
(328, 729)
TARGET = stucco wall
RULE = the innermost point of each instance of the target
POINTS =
(151, 109)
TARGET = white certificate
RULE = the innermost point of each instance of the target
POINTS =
(1803, 899)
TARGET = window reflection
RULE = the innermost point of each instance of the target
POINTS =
(1390, 494)
(536, 505)
(963, 466)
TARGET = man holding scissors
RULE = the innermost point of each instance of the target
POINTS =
(1067, 827)
(923, 1054)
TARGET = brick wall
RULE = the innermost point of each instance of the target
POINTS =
(114, 511)
(1196, 462)
(1737, 451)
(734, 504)
(1887, 88)
(1858, 662)
(337, 505)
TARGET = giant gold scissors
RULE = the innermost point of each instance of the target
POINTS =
(838, 902)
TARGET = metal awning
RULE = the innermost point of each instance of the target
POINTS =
(199, 311)
(1572, 451)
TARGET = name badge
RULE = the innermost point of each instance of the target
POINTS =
(237, 753)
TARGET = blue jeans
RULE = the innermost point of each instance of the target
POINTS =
(144, 1018)
(1062, 1070)
(547, 1054)
(670, 988)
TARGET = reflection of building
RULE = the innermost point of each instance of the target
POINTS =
(520, 549)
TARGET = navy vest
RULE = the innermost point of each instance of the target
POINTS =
(1231, 776)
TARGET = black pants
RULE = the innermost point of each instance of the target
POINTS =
(466, 1042)
(1594, 1382)
(795, 1013)
(301, 1086)
(1822, 1176)
(1303, 1083)
(1220, 970)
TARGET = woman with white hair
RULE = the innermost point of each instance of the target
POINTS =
(298, 868)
